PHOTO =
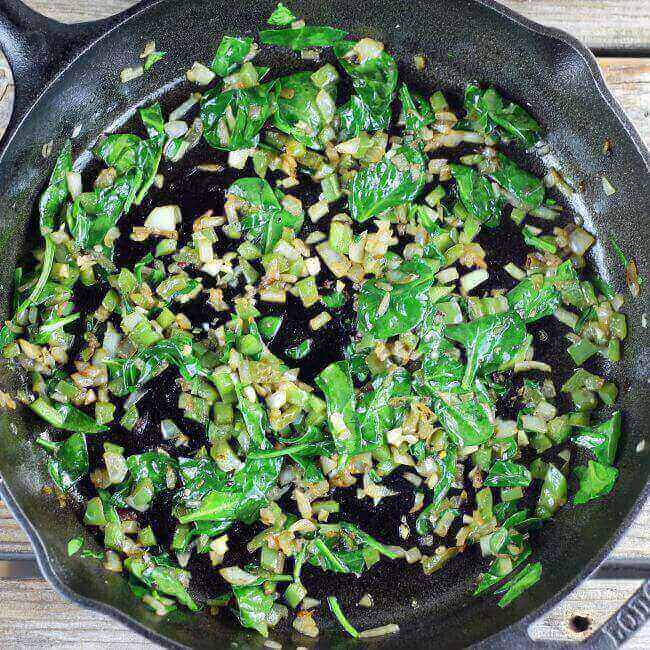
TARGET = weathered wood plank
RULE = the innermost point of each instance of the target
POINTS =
(12, 537)
(611, 24)
(34, 616)
(595, 600)
(46, 620)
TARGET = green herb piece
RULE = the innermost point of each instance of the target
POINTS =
(65, 416)
(74, 545)
(505, 473)
(499, 569)
(86, 553)
(464, 419)
(525, 187)
(300, 351)
(602, 440)
(335, 608)
(302, 37)
(416, 111)
(374, 81)
(524, 580)
(263, 218)
(488, 113)
(334, 300)
(394, 180)
(127, 375)
(492, 342)
(534, 297)
(152, 59)
(54, 197)
(298, 112)
(408, 301)
(70, 463)
(538, 242)
(230, 54)
(34, 297)
(553, 494)
(92, 215)
(281, 16)
(380, 410)
(241, 496)
(478, 195)
(251, 107)
(596, 480)
(163, 577)
(254, 607)
(336, 383)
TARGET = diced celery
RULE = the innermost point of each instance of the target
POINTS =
(223, 381)
(104, 412)
(307, 291)
(249, 251)
(618, 326)
(511, 494)
(294, 594)
(223, 413)
(559, 429)
(582, 350)
(126, 281)
(438, 102)
(94, 515)
(166, 318)
(111, 300)
(608, 393)
(129, 418)
(331, 188)
(340, 237)
(195, 408)
(146, 537)
(584, 400)
(250, 345)
(166, 247)
(325, 76)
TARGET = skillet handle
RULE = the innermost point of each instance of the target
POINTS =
(38, 49)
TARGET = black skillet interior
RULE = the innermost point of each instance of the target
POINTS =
(462, 40)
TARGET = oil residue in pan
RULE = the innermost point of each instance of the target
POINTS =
(196, 192)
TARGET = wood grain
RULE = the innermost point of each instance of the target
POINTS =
(608, 24)
(34, 616)
(45, 620)
(12, 537)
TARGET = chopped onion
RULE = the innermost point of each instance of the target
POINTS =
(164, 218)
(471, 280)
(176, 128)
(238, 577)
(129, 74)
(384, 630)
(200, 74)
(75, 187)
(608, 188)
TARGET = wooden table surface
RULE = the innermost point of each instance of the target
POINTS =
(32, 615)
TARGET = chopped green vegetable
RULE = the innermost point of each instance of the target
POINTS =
(596, 480)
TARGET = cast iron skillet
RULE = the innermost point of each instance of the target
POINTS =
(68, 75)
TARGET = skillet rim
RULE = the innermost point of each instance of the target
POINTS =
(515, 633)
